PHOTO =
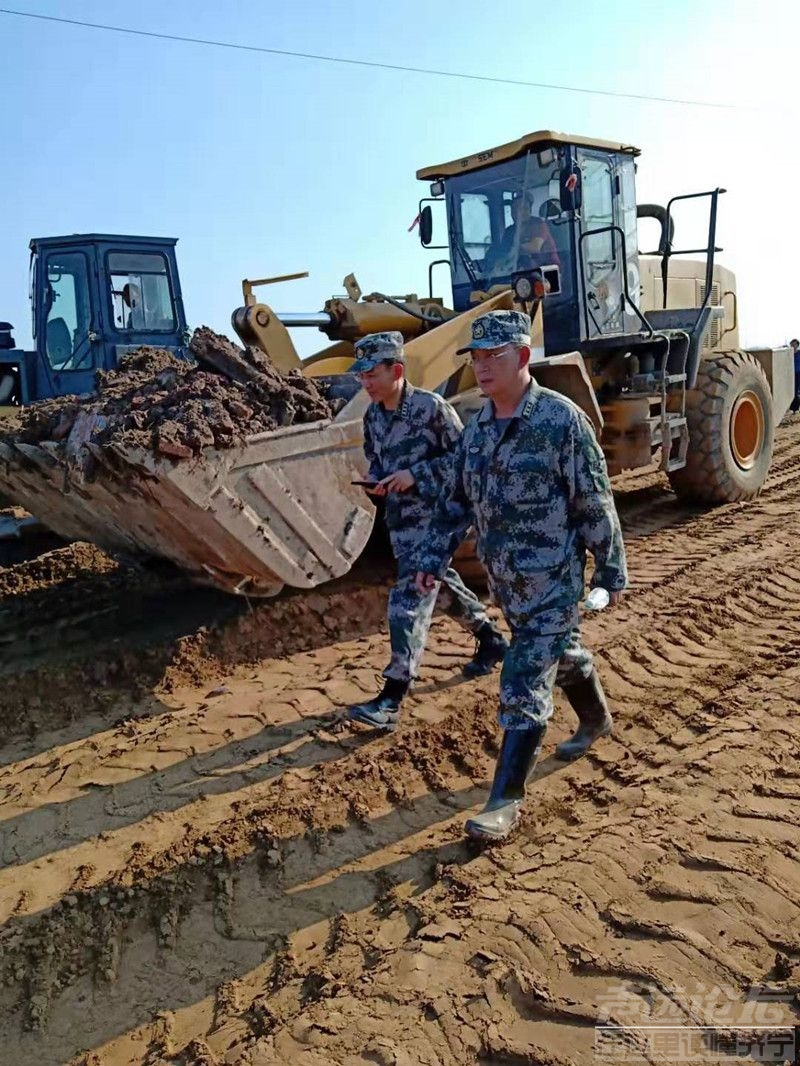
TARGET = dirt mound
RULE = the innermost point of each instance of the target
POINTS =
(109, 633)
(154, 400)
(54, 568)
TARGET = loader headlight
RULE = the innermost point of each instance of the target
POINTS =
(532, 285)
(523, 289)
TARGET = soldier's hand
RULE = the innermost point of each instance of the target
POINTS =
(426, 582)
(399, 481)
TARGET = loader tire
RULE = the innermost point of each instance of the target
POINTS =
(731, 431)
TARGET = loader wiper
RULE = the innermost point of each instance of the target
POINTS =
(465, 259)
(72, 362)
(79, 364)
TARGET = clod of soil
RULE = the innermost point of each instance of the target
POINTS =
(54, 569)
(174, 407)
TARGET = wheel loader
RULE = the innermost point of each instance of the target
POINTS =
(646, 344)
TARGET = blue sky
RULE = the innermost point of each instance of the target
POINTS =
(265, 165)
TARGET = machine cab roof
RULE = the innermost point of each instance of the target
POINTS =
(538, 141)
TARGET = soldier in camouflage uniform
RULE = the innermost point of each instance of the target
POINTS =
(409, 435)
(529, 473)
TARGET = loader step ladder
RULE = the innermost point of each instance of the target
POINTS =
(664, 382)
(670, 432)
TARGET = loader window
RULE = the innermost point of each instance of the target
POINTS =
(141, 297)
(476, 224)
(67, 313)
(598, 210)
(604, 276)
(498, 220)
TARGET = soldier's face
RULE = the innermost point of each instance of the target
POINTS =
(379, 382)
(497, 370)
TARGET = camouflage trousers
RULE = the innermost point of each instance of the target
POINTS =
(534, 663)
(410, 614)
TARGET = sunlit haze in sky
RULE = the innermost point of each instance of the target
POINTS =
(264, 164)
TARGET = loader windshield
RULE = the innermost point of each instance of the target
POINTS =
(506, 218)
(141, 297)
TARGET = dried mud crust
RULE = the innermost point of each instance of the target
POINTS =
(233, 879)
(176, 408)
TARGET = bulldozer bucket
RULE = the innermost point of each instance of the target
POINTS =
(277, 510)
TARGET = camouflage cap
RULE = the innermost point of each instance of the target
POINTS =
(378, 348)
(496, 328)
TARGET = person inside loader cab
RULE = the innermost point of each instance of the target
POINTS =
(527, 243)
(409, 435)
(132, 298)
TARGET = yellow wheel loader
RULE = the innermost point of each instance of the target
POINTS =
(647, 344)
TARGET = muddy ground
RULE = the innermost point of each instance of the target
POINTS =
(201, 866)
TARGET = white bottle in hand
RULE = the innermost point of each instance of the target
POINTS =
(597, 599)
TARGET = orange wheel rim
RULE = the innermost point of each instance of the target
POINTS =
(747, 429)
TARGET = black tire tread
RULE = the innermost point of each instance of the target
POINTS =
(706, 476)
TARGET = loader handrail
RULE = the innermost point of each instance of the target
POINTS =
(709, 251)
(625, 287)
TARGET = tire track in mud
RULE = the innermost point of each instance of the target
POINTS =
(707, 655)
(194, 638)
(337, 913)
(132, 657)
(717, 645)
(666, 535)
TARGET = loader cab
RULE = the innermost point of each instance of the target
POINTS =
(549, 209)
(95, 297)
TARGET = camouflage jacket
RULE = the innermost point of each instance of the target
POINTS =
(538, 493)
(419, 436)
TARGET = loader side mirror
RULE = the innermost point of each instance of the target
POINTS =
(426, 225)
(570, 188)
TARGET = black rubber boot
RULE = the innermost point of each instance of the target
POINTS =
(382, 711)
(491, 650)
(515, 764)
(588, 701)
